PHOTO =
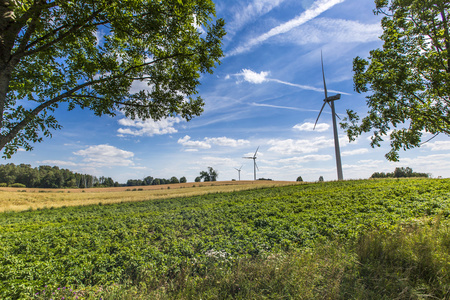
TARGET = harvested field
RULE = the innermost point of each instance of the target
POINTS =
(18, 199)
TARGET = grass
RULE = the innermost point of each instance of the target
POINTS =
(12, 199)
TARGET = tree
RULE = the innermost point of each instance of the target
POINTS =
(183, 180)
(409, 78)
(88, 54)
(210, 175)
(173, 179)
(299, 178)
(320, 178)
(198, 179)
(147, 180)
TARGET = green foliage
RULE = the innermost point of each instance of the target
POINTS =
(409, 78)
(48, 177)
(320, 178)
(88, 54)
(18, 185)
(183, 180)
(400, 173)
(299, 178)
(210, 175)
(157, 242)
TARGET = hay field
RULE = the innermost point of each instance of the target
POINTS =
(18, 199)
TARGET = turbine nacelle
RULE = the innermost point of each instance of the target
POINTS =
(332, 98)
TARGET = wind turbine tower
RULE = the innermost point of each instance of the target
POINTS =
(255, 166)
(330, 101)
(239, 172)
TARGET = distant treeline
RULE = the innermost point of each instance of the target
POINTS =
(399, 173)
(49, 177)
(149, 180)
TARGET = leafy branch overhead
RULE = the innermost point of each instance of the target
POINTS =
(408, 79)
(88, 54)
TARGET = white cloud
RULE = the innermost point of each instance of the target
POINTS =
(224, 141)
(290, 146)
(106, 156)
(355, 152)
(253, 77)
(148, 127)
(320, 127)
(208, 142)
(316, 9)
(438, 146)
(187, 142)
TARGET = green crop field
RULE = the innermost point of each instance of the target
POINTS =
(148, 245)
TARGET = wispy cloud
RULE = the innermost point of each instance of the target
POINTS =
(245, 14)
(263, 76)
(355, 152)
(325, 30)
(304, 159)
(315, 10)
(283, 107)
(57, 163)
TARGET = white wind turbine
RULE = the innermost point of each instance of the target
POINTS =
(254, 162)
(239, 172)
(330, 101)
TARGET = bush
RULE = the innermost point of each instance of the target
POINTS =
(18, 185)
(3, 184)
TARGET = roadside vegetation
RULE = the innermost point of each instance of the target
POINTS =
(336, 240)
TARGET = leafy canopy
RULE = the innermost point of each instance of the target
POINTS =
(409, 78)
(88, 54)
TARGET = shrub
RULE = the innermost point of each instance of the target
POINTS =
(3, 184)
(18, 185)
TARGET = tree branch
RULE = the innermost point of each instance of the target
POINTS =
(62, 36)
(7, 138)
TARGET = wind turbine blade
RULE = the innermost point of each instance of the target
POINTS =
(256, 165)
(256, 151)
(325, 102)
(323, 75)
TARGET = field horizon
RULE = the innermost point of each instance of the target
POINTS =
(19, 199)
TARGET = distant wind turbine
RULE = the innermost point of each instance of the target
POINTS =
(254, 162)
(330, 101)
(239, 172)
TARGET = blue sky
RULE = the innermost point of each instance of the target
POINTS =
(267, 92)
